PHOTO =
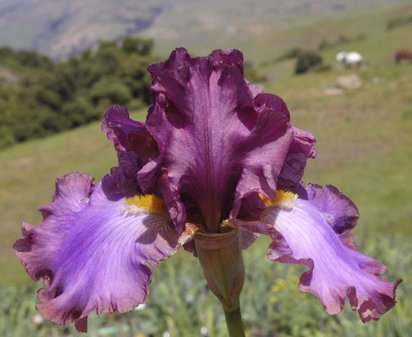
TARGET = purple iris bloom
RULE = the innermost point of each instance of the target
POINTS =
(216, 155)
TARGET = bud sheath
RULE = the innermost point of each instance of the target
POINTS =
(221, 258)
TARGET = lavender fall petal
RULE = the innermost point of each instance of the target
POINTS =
(93, 253)
(301, 234)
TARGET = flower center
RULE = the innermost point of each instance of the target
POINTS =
(147, 203)
(282, 199)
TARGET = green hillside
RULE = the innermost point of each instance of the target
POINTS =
(263, 41)
(364, 142)
(66, 27)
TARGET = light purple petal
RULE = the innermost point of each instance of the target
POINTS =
(335, 272)
(218, 142)
(301, 148)
(93, 253)
(338, 210)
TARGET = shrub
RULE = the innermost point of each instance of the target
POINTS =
(306, 61)
(111, 89)
(290, 54)
(252, 74)
(72, 92)
(399, 21)
(137, 45)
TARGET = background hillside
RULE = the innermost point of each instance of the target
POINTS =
(63, 28)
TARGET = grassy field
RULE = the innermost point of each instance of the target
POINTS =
(266, 40)
(364, 148)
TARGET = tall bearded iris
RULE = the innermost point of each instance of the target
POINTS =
(216, 163)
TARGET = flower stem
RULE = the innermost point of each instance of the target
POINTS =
(234, 323)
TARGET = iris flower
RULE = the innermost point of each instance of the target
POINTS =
(216, 164)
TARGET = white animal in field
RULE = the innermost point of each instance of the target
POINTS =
(351, 59)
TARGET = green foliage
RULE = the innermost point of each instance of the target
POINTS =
(24, 59)
(181, 304)
(406, 114)
(33, 59)
(398, 22)
(108, 89)
(292, 53)
(59, 96)
(137, 45)
(78, 90)
(252, 74)
(136, 77)
(306, 61)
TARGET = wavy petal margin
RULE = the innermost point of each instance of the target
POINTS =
(337, 209)
(127, 134)
(302, 235)
(218, 142)
(93, 253)
(301, 148)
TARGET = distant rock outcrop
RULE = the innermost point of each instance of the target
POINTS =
(348, 82)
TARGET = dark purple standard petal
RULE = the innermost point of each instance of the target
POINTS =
(93, 253)
(122, 181)
(302, 234)
(218, 142)
(136, 148)
(127, 134)
(301, 148)
(265, 151)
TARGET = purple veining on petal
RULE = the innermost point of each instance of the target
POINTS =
(217, 142)
(92, 253)
(335, 272)
(301, 148)
(175, 207)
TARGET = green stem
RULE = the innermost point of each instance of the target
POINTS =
(234, 323)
